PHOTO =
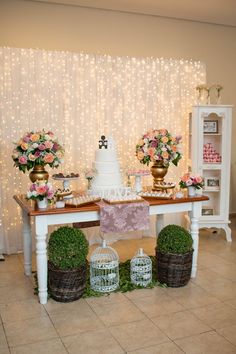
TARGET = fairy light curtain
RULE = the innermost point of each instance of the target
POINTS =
(80, 97)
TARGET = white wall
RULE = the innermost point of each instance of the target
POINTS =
(28, 24)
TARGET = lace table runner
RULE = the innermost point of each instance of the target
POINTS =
(124, 217)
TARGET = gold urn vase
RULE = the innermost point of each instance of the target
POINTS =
(38, 174)
(158, 171)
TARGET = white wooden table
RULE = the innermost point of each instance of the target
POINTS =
(53, 216)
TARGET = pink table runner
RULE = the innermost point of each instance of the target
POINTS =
(124, 217)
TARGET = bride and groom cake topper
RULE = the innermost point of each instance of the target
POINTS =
(108, 143)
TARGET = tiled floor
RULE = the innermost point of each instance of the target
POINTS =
(197, 319)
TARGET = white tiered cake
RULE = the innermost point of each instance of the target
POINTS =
(108, 177)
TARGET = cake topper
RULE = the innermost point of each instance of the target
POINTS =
(111, 143)
(103, 142)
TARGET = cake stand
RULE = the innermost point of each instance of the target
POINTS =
(164, 186)
(138, 180)
(66, 185)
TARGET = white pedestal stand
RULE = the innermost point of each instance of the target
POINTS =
(138, 184)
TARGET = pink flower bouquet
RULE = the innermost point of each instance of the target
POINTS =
(37, 148)
(189, 180)
(159, 145)
(40, 190)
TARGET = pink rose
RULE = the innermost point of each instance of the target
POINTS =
(50, 133)
(41, 189)
(48, 144)
(48, 158)
(55, 147)
(26, 139)
(37, 153)
(174, 148)
(32, 187)
(151, 152)
(163, 131)
(198, 179)
(23, 160)
(165, 155)
(50, 194)
(41, 147)
(154, 143)
(178, 138)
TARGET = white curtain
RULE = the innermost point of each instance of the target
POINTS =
(81, 97)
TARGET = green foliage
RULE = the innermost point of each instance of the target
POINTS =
(67, 248)
(176, 160)
(174, 239)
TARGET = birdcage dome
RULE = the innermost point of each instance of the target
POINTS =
(141, 269)
(104, 269)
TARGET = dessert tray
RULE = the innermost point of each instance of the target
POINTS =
(156, 195)
(63, 193)
(62, 176)
(82, 200)
(125, 199)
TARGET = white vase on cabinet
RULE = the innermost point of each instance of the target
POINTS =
(42, 204)
(191, 191)
(209, 156)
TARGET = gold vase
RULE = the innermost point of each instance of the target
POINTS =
(158, 171)
(38, 174)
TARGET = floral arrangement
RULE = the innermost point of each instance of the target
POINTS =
(37, 148)
(40, 190)
(90, 174)
(159, 145)
(189, 180)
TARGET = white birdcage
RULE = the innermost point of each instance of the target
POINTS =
(104, 269)
(141, 269)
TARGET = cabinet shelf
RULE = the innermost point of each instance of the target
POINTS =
(212, 134)
(209, 218)
(212, 166)
(210, 190)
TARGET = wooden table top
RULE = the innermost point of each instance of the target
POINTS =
(30, 206)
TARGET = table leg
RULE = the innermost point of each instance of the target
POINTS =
(27, 243)
(194, 230)
(159, 223)
(228, 233)
(41, 229)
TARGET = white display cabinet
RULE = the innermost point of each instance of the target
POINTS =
(210, 156)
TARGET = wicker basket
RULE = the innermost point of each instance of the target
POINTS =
(66, 285)
(174, 269)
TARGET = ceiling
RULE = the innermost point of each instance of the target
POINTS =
(221, 12)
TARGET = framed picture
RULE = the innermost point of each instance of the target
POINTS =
(207, 211)
(210, 126)
(211, 183)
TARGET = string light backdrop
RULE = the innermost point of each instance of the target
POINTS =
(81, 97)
